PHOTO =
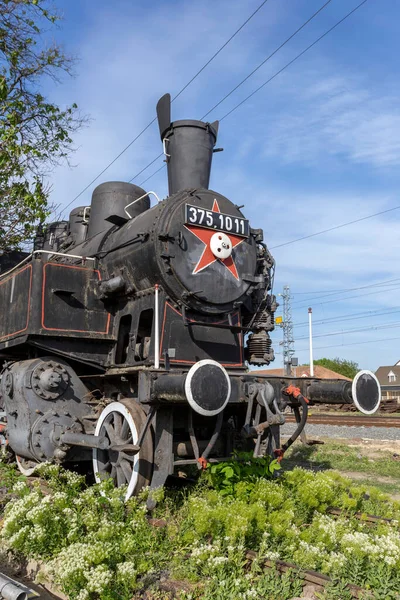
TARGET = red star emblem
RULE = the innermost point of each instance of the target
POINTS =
(207, 258)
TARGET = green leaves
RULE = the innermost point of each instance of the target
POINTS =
(35, 133)
(347, 368)
(3, 88)
(244, 469)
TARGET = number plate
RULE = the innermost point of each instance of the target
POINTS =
(216, 220)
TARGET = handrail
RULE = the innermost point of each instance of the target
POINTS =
(137, 200)
(32, 254)
(85, 218)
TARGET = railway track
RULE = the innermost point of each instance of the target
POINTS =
(19, 590)
(314, 577)
(348, 420)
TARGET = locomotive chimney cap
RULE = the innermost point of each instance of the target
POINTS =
(164, 119)
(188, 147)
(209, 127)
(164, 113)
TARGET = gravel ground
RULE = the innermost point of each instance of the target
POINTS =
(345, 432)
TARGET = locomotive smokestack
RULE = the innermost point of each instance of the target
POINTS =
(188, 146)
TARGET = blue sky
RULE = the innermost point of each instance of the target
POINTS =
(318, 146)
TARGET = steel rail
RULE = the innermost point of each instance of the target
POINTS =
(315, 577)
(307, 575)
(349, 421)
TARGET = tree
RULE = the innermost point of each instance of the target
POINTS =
(35, 134)
(348, 368)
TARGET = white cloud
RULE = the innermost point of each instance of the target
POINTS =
(336, 117)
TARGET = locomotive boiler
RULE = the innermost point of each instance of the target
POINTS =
(126, 334)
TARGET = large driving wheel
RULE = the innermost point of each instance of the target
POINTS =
(121, 423)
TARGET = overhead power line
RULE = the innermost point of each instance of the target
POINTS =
(362, 287)
(306, 237)
(315, 292)
(351, 344)
(220, 49)
(348, 298)
(240, 103)
(277, 73)
(293, 60)
(155, 172)
(266, 59)
(392, 325)
(146, 167)
(350, 317)
(238, 85)
(174, 98)
(109, 165)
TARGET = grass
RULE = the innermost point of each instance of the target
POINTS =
(393, 489)
(348, 459)
(96, 547)
(9, 476)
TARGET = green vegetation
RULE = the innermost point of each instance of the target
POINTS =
(387, 487)
(96, 547)
(347, 368)
(334, 455)
(226, 476)
(34, 132)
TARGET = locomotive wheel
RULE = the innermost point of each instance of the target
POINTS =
(121, 423)
(26, 466)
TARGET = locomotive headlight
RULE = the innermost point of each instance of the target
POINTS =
(221, 245)
(207, 387)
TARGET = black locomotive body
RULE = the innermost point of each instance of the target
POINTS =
(126, 334)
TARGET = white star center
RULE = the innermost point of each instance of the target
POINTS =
(221, 245)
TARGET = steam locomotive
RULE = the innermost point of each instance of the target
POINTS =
(126, 334)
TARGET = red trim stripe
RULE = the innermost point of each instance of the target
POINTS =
(43, 299)
(29, 301)
(192, 362)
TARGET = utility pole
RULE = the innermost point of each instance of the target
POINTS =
(287, 326)
(310, 337)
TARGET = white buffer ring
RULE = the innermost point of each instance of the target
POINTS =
(203, 364)
(354, 392)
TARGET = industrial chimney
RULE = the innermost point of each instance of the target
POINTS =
(188, 147)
